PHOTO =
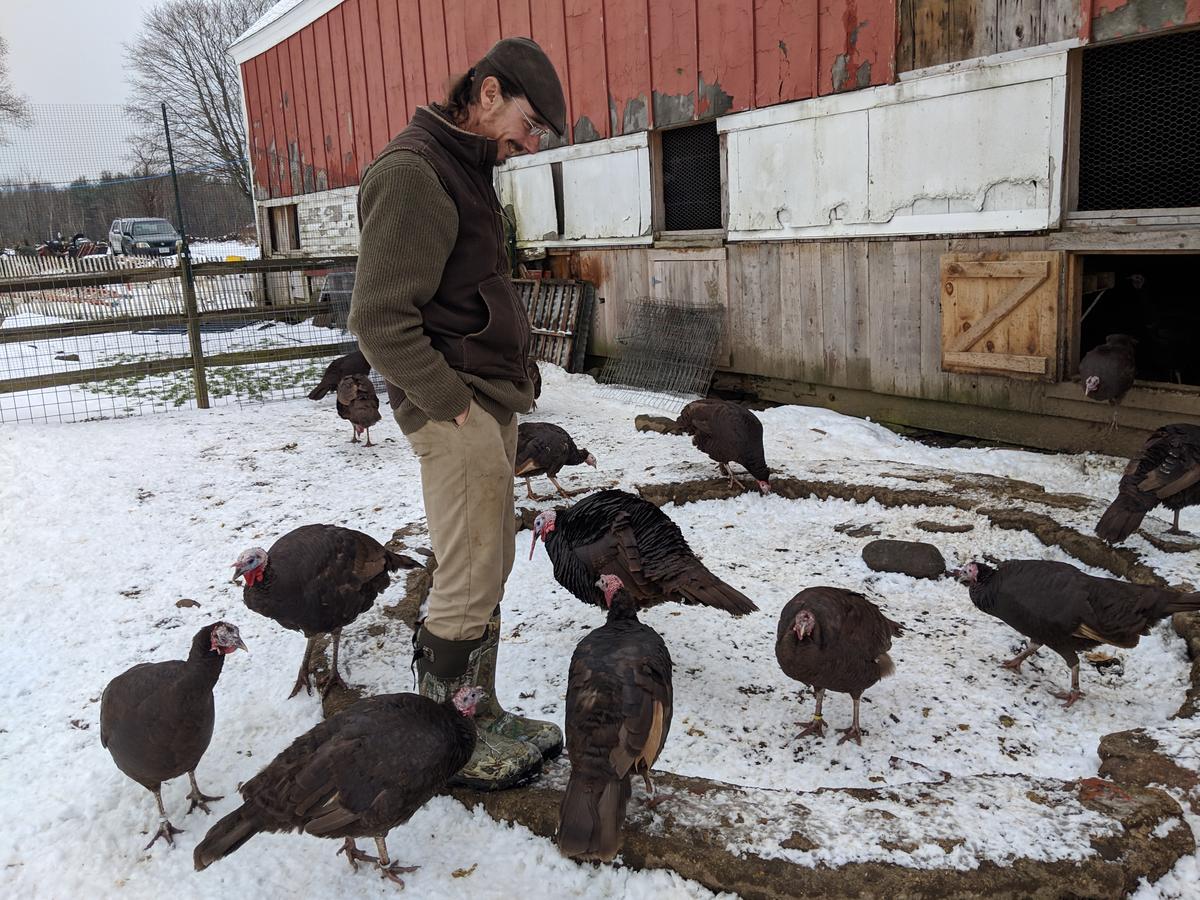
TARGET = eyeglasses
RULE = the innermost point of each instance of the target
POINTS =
(538, 131)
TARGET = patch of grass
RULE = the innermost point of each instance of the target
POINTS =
(175, 389)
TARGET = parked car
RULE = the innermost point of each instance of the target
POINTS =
(143, 237)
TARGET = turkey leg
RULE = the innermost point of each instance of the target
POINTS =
(198, 797)
(369, 444)
(165, 828)
(353, 435)
(817, 725)
(391, 870)
(1016, 661)
(529, 491)
(1074, 693)
(302, 680)
(853, 733)
(1175, 529)
(727, 470)
(335, 677)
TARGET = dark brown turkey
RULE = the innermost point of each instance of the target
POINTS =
(317, 579)
(1108, 370)
(358, 774)
(1056, 605)
(1166, 472)
(156, 719)
(615, 532)
(833, 639)
(618, 715)
(353, 363)
(543, 449)
(728, 433)
(358, 404)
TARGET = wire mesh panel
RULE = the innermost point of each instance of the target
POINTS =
(691, 177)
(1139, 130)
(667, 355)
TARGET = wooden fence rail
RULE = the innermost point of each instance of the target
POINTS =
(57, 288)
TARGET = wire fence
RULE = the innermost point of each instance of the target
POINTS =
(129, 340)
(80, 180)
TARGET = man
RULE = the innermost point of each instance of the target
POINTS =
(436, 314)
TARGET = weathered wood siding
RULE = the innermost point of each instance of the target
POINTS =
(859, 314)
(322, 102)
(932, 32)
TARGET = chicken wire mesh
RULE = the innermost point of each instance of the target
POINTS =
(119, 343)
(1139, 129)
(667, 354)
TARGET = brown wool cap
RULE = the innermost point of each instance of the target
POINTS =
(527, 66)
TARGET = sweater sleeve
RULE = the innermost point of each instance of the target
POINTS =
(409, 225)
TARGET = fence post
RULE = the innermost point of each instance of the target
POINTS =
(192, 311)
(190, 307)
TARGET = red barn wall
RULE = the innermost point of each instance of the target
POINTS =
(322, 103)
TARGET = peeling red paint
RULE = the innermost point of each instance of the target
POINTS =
(359, 71)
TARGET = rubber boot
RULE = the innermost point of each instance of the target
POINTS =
(498, 762)
(492, 717)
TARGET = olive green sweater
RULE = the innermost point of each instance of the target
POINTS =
(408, 228)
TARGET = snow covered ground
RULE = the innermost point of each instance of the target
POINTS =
(107, 524)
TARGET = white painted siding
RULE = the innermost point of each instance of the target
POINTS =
(606, 194)
(328, 221)
(974, 150)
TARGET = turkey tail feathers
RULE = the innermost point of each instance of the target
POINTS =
(1185, 603)
(590, 817)
(225, 837)
(1119, 521)
(701, 586)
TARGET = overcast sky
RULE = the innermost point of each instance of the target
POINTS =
(69, 52)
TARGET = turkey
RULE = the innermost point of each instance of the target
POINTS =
(543, 449)
(1108, 370)
(728, 433)
(1167, 472)
(1056, 605)
(353, 363)
(358, 403)
(156, 719)
(612, 531)
(833, 639)
(618, 715)
(535, 375)
(358, 774)
(317, 579)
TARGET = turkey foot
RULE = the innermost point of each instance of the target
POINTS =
(391, 870)
(564, 492)
(655, 801)
(394, 871)
(1069, 696)
(165, 830)
(530, 494)
(816, 726)
(198, 797)
(1016, 661)
(368, 443)
(853, 733)
(353, 854)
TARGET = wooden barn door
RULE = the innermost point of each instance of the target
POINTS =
(1002, 314)
(693, 277)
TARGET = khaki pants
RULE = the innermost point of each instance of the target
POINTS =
(467, 482)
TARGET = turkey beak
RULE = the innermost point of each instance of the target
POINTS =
(240, 644)
(533, 545)
(764, 487)
(236, 574)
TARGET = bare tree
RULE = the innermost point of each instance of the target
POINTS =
(14, 108)
(180, 57)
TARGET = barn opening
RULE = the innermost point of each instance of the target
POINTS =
(691, 178)
(1139, 125)
(1152, 298)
